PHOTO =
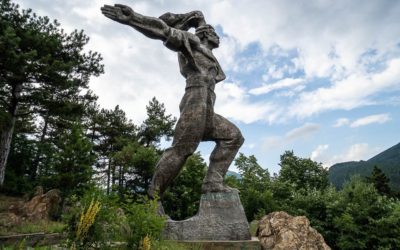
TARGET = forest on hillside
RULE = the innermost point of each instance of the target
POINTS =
(388, 161)
(55, 135)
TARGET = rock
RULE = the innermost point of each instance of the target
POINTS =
(221, 217)
(38, 191)
(41, 206)
(8, 220)
(279, 230)
(16, 208)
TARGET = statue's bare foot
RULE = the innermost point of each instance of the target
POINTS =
(211, 187)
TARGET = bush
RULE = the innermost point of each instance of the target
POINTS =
(103, 223)
(143, 221)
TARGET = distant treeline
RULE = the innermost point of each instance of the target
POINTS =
(388, 161)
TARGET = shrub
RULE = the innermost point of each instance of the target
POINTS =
(143, 222)
(94, 221)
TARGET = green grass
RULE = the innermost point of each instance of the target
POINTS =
(171, 245)
(34, 227)
(253, 227)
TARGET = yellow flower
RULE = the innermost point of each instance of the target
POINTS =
(87, 219)
(146, 243)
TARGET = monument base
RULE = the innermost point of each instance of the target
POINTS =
(220, 217)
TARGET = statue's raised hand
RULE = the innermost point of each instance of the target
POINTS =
(119, 12)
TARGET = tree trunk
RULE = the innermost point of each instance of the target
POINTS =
(34, 169)
(5, 143)
(108, 176)
(7, 133)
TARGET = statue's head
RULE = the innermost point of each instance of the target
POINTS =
(207, 32)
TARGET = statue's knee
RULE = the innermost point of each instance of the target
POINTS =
(186, 149)
(239, 139)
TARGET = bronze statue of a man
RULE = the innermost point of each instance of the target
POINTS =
(197, 121)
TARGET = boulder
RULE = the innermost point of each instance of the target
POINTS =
(279, 230)
(42, 205)
(9, 220)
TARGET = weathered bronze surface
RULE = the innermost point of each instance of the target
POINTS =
(198, 121)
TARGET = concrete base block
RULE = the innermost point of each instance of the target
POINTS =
(221, 217)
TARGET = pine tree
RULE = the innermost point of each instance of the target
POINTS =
(157, 124)
(39, 63)
(72, 169)
(115, 131)
(380, 181)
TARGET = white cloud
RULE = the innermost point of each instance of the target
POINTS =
(355, 152)
(328, 37)
(341, 122)
(316, 153)
(379, 118)
(232, 102)
(303, 131)
(249, 146)
(284, 83)
(348, 93)
(273, 142)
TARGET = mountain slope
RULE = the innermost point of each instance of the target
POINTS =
(234, 174)
(388, 161)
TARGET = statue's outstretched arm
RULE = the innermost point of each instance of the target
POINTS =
(151, 27)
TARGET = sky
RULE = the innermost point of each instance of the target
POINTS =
(319, 77)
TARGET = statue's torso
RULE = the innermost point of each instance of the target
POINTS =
(205, 64)
(195, 59)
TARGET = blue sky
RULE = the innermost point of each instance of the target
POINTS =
(319, 77)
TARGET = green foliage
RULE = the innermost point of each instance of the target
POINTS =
(380, 181)
(358, 217)
(44, 74)
(304, 174)
(20, 158)
(136, 167)
(27, 227)
(157, 124)
(128, 221)
(111, 132)
(232, 181)
(253, 186)
(72, 169)
(182, 198)
(388, 161)
(173, 245)
(143, 221)
(109, 224)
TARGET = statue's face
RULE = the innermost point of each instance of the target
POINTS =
(213, 38)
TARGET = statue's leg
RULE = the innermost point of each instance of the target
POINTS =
(188, 134)
(228, 139)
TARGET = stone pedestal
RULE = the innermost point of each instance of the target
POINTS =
(220, 217)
